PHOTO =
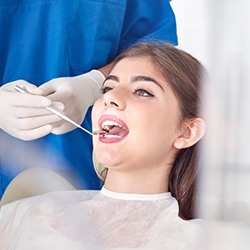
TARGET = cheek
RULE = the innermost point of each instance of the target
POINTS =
(157, 121)
(96, 113)
(162, 128)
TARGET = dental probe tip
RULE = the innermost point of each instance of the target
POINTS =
(98, 132)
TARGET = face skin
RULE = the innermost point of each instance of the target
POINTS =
(140, 158)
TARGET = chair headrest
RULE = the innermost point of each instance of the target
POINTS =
(34, 181)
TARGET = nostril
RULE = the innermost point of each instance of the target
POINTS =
(111, 103)
(114, 103)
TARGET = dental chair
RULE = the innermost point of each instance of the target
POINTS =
(34, 181)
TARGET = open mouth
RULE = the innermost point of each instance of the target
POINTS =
(114, 129)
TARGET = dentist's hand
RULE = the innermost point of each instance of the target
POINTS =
(76, 93)
(24, 115)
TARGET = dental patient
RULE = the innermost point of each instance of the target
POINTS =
(150, 110)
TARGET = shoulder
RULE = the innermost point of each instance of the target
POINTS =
(42, 213)
(177, 232)
(48, 203)
(180, 234)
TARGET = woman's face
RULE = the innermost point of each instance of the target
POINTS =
(142, 113)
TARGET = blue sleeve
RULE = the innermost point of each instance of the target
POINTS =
(44, 39)
(148, 20)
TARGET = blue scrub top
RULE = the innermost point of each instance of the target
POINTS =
(44, 39)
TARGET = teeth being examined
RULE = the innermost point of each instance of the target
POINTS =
(107, 125)
(111, 136)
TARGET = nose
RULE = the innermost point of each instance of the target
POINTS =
(115, 98)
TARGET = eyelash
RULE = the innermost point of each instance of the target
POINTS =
(105, 89)
(144, 93)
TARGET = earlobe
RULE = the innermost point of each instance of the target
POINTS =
(193, 131)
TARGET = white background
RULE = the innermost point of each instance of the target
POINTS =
(191, 18)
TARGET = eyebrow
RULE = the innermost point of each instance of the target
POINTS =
(112, 78)
(135, 79)
(146, 79)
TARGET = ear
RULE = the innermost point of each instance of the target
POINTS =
(193, 130)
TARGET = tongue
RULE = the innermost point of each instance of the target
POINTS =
(118, 131)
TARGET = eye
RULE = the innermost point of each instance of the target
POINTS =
(105, 89)
(143, 93)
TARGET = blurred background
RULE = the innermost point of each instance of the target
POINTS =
(218, 34)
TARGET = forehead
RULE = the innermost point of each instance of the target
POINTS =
(135, 65)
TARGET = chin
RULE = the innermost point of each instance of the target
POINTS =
(108, 159)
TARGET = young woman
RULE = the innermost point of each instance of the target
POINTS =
(150, 111)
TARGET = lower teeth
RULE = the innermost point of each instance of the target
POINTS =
(111, 136)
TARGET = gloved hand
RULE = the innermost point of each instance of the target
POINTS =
(24, 115)
(76, 93)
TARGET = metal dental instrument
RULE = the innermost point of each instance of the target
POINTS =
(64, 117)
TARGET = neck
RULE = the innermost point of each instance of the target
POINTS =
(137, 182)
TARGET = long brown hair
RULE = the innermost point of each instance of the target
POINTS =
(184, 74)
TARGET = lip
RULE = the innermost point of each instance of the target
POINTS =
(109, 117)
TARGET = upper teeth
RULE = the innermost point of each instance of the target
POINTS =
(108, 124)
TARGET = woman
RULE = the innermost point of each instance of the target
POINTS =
(150, 112)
